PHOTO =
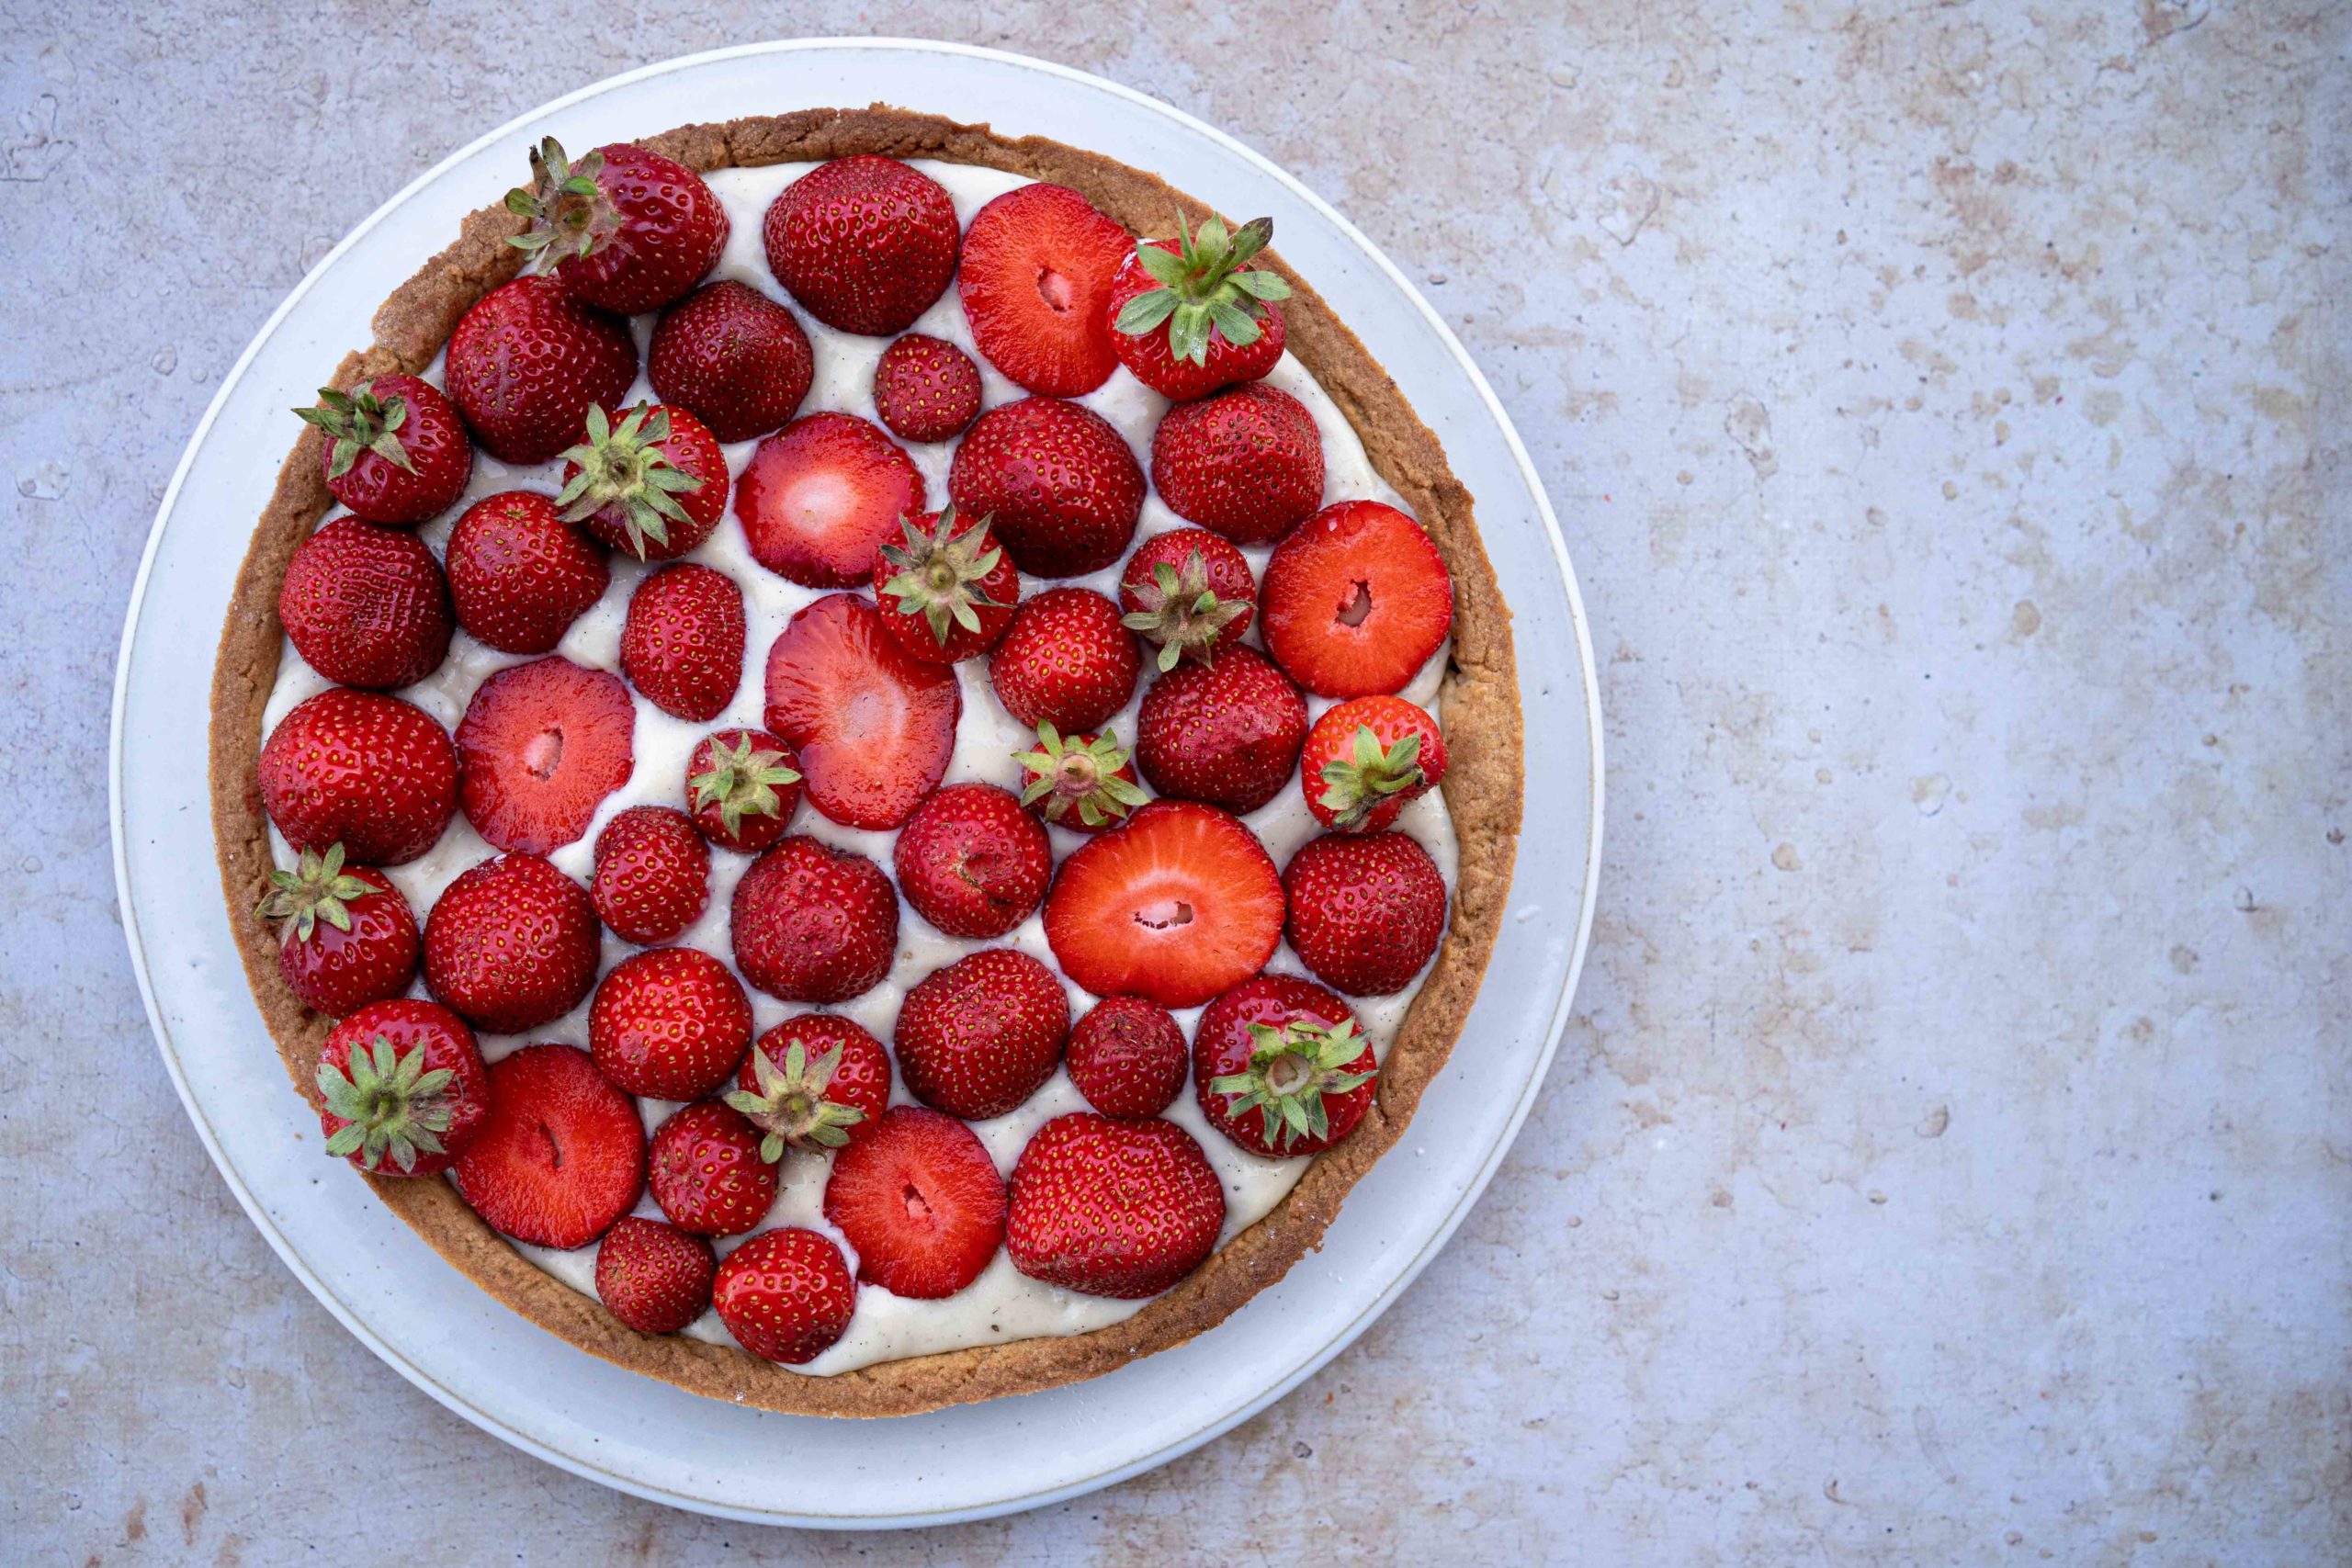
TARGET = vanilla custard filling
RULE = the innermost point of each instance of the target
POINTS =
(1002, 1304)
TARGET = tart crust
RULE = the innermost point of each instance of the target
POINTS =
(1482, 790)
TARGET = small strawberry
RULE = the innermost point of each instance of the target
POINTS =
(820, 498)
(873, 727)
(1177, 905)
(1365, 759)
(1191, 315)
(1366, 910)
(707, 1173)
(397, 453)
(742, 788)
(1355, 601)
(519, 574)
(1189, 593)
(864, 244)
(925, 389)
(1056, 480)
(1228, 733)
(976, 1038)
(1082, 782)
(365, 605)
(920, 1201)
(811, 923)
(1065, 660)
(625, 229)
(972, 862)
(653, 1276)
(786, 1295)
(1246, 463)
(947, 594)
(528, 361)
(682, 642)
(511, 945)
(1035, 281)
(817, 1081)
(654, 485)
(1108, 1208)
(652, 876)
(561, 1155)
(732, 358)
(402, 1088)
(347, 938)
(1127, 1057)
(542, 744)
(669, 1023)
(1281, 1066)
(371, 771)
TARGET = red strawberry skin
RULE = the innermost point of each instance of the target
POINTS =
(439, 449)
(972, 861)
(1356, 601)
(1036, 276)
(371, 771)
(786, 1295)
(653, 1276)
(511, 945)
(1147, 355)
(1063, 491)
(976, 1038)
(921, 1201)
(864, 244)
(1333, 743)
(1127, 1057)
(1110, 1208)
(669, 1024)
(561, 1155)
(911, 631)
(925, 389)
(1224, 571)
(874, 728)
(861, 1081)
(683, 643)
(410, 1024)
(1228, 733)
(1366, 910)
(734, 358)
(1177, 905)
(814, 924)
(1222, 1043)
(820, 498)
(707, 1173)
(519, 574)
(365, 605)
(541, 745)
(755, 830)
(671, 229)
(1246, 463)
(652, 876)
(339, 972)
(1066, 661)
(692, 450)
(525, 362)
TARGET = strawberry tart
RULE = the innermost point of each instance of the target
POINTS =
(861, 764)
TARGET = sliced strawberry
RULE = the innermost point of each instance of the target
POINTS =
(1177, 905)
(921, 1201)
(682, 642)
(519, 574)
(653, 1276)
(785, 1294)
(925, 389)
(365, 605)
(707, 1173)
(541, 745)
(873, 727)
(1356, 600)
(1034, 279)
(733, 357)
(820, 498)
(561, 1155)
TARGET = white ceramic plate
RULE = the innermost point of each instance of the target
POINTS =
(631, 1432)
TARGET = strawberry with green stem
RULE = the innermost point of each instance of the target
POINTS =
(1084, 782)
(625, 228)
(1281, 1066)
(1188, 591)
(349, 937)
(1191, 314)
(397, 453)
(742, 788)
(1366, 758)
(815, 1082)
(402, 1088)
(947, 594)
(655, 484)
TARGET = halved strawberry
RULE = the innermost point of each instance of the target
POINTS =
(811, 923)
(561, 1155)
(541, 745)
(921, 1202)
(925, 389)
(511, 945)
(976, 1038)
(682, 642)
(1366, 758)
(947, 594)
(865, 243)
(820, 498)
(365, 605)
(653, 484)
(1034, 280)
(1177, 905)
(1055, 480)
(369, 772)
(670, 1023)
(707, 1173)
(1356, 600)
(785, 1294)
(873, 727)
(731, 357)
(742, 787)
(519, 574)
(1228, 733)
(653, 1276)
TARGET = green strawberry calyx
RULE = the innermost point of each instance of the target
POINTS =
(939, 573)
(1079, 777)
(570, 216)
(318, 888)
(1356, 786)
(789, 1106)
(741, 783)
(389, 1104)
(623, 464)
(1203, 285)
(358, 421)
(1181, 612)
(1290, 1071)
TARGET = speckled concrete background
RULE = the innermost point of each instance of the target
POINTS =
(1948, 1161)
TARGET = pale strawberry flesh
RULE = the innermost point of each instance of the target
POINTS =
(921, 1202)
(820, 498)
(873, 727)
(1177, 905)
(541, 745)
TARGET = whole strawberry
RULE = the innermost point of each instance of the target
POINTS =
(1127, 1057)
(707, 1173)
(1035, 275)
(1065, 660)
(1189, 593)
(864, 244)
(365, 605)
(397, 453)
(346, 936)
(1366, 758)
(561, 1155)
(511, 945)
(375, 774)
(817, 1081)
(812, 923)
(654, 485)
(653, 1276)
(1366, 910)
(1228, 733)
(947, 594)
(1246, 463)
(625, 229)
(741, 787)
(926, 389)
(1191, 314)
(1080, 782)
(732, 358)
(1111, 1208)
(529, 360)
(652, 876)
(1281, 1066)
(681, 645)
(972, 862)
(669, 1024)
(976, 1038)
(1355, 601)
(519, 574)
(1056, 481)
(402, 1088)
(786, 1295)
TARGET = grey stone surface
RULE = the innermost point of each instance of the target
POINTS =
(1948, 1161)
